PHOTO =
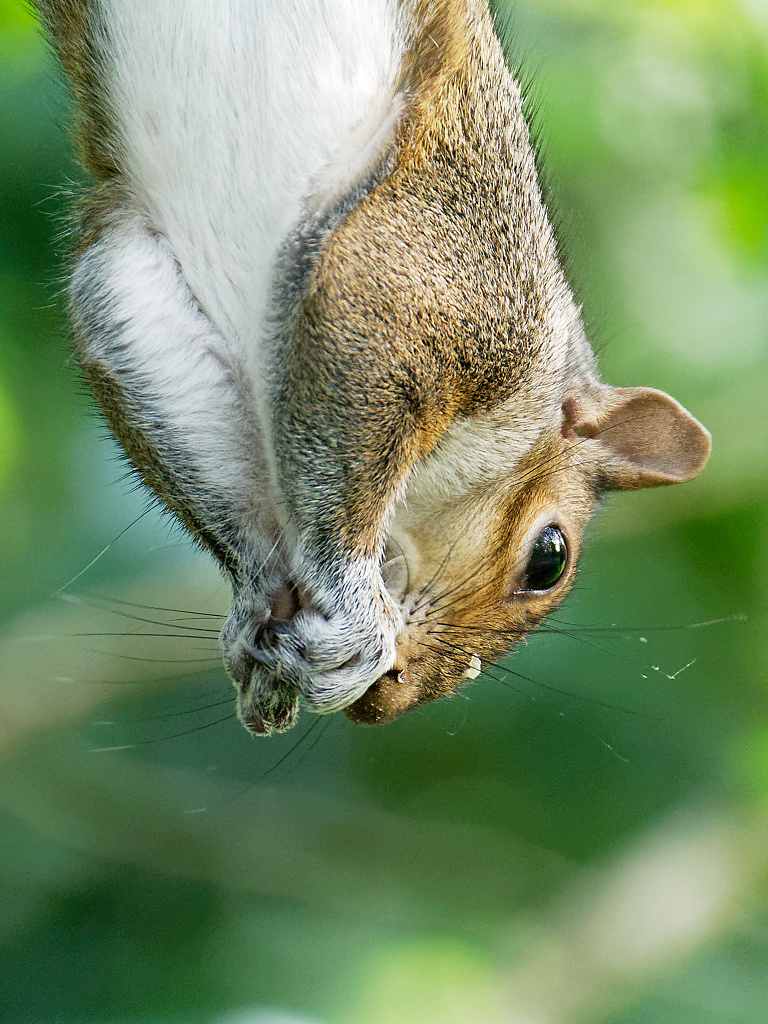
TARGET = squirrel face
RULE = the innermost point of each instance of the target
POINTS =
(481, 571)
(329, 326)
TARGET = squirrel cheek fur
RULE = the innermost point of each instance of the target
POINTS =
(371, 415)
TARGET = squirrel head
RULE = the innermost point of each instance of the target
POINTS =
(486, 543)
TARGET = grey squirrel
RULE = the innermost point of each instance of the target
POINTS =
(317, 296)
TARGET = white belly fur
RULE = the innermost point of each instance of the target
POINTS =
(231, 112)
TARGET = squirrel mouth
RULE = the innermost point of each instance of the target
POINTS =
(386, 699)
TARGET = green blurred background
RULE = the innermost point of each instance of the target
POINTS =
(587, 843)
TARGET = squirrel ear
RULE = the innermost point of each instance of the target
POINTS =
(646, 439)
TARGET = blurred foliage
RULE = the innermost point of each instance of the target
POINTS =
(580, 840)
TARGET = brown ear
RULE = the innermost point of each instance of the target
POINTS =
(646, 439)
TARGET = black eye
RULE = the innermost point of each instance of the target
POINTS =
(547, 562)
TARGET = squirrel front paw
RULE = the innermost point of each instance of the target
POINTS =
(331, 660)
(327, 649)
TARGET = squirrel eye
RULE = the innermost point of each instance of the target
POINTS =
(548, 560)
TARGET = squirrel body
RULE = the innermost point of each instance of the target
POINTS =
(318, 298)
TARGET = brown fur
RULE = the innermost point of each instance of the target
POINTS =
(70, 26)
(412, 315)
